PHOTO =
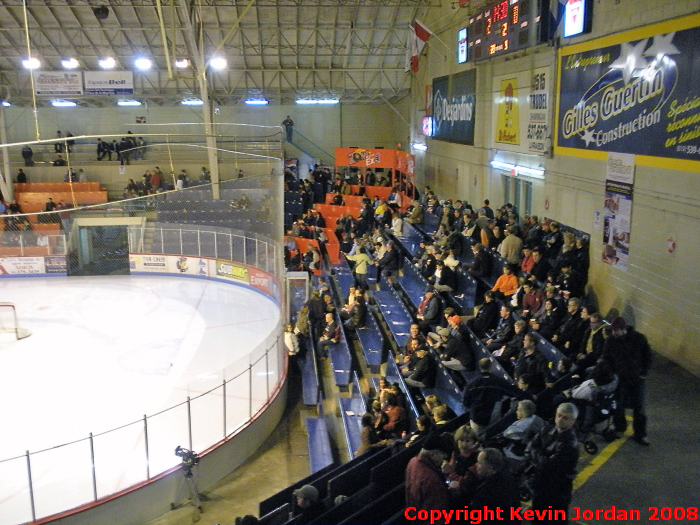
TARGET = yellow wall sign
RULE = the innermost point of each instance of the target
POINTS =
(232, 271)
(508, 123)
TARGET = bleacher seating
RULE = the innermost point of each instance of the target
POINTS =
(351, 412)
(320, 453)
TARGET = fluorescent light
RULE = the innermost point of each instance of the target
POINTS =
(128, 103)
(192, 102)
(502, 165)
(107, 63)
(419, 146)
(31, 63)
(143, 63)
(530, 172)
(535, 173)
(218, 63)
(256, 102)
(70, 63)
(317, 101)
(182, 63)
(6, 103)
(63, 103)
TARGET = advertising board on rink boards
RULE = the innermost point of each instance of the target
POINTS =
(522, 111)
(204, 267)
(635, 92)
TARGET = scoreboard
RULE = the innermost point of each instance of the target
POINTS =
(506, 26)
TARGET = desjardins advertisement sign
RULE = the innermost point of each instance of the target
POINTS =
(640, 96)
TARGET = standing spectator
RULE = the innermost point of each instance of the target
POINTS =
(497, 489)
(140, 151)
(630, 356)
(58, 146)
(69, 142)
(113, 148)
(205, 176)
(28, 156)
(240, 174)
(288, 124)
(362, 260)
(425, 482)
(21, 176)
(554, 454)
(388, 264)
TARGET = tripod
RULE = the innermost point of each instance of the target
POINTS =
(195, 497)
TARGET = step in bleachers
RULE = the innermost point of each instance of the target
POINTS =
(351, 411)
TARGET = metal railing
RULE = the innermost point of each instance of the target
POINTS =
(40, 483)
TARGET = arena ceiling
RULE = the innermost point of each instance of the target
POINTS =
(281, 50)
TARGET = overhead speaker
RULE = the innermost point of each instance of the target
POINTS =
(101, 12)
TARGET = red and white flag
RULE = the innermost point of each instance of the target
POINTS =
(418, 35)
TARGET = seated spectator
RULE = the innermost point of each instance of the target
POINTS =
(307, 505)
(541, 267)
(396, 422)
(368, 434)
(415, 216)
(444, 278)
(487, 316)
(510, 351)
(357, 313)
(415, 340)
(397, 224)
(453, 351)
(428, 311)
(533, 300)
(528, 261)
(421, 373)
(569, 281)
(424, 426)
(330, 335)
(504, 330)
(60, 161)
(550, 321)
(592, 343)
(523, 430)
(569, 335)
(481, 266)
(533, 363)
(506, 284)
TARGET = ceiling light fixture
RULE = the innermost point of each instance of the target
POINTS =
(182, 63)
(70, 63)
(192, 102)
(143, 64)
(317, 101)
(63, 103)
(218, 63)
(107, 63)
(31, 63)
(128, 103)
(256, 102)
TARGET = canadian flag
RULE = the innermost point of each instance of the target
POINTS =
(418, 35)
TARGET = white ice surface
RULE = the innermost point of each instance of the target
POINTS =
(103, 352)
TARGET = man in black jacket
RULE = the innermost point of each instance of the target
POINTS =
(630, 356)
(453, 352)
(487, 316)
(422, 370)
(497, 491)
(388, 264)
(447, 280)
(483, 394)
(504, 330)
(481, 266)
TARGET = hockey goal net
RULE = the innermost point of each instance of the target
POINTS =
(9, 323)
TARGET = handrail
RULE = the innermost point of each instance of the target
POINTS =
(330, 157)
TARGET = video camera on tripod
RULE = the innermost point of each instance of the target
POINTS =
(189, 458)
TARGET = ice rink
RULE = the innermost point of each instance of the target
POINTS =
(104, 352)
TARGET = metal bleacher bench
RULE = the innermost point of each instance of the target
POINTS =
(351, 411)
(319, 443)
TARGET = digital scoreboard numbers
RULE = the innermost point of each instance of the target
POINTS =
(503, 27)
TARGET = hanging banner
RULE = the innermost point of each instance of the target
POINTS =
(109, 83)
(618, 209)
(54, 83)
(454, 104)
(521, 111)
(638, 96)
